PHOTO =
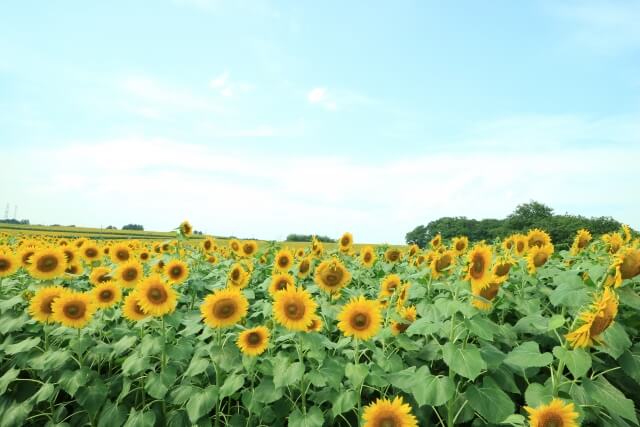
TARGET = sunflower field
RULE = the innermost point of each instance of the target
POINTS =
(184, 332)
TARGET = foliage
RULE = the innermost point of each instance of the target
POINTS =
(308, 238)
(133, 227)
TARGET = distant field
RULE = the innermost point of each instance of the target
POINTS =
(104, 234)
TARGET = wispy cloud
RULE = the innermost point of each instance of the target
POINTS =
(225, 87)
(320, 96)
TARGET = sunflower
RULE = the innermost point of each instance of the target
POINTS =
(9, 264)
(280, 282)
(74, 269)
(315, 325)
(626, 231)
(304, 267)
(73, 309)
(47, 263)
(346, 242)
(595, 320)
(367, 256)
(40, 305)
(508, 243)
(582, 239)
(501, 269)
(107, 294)
(159, 267)
(408, 313)
(331, 275)
(249, 247)
(254, 341)
(538, 256)
(283, 260)
(389, 413)
(144, 255)
(238, 277)
(131, 309)
(99, 275)
(234, 244)
(207, 244)
(129, 273)
(442, 263)
(555, 414)
(212, 259)
(393, 255)
(479, 260)
(294, 308)
(120, 252)
(613, 241)
(71, 253)
(90, 251)
(436, 241)
(389, 285)
(25, 253)
(186, 228)
(156, 297)
(317, 248)
(460, 244)
(224, 307)
(177, 271)
(537, 237)
(520, 244)
(483, 296)
(403, 295)
(626, 265)
(79, 242)
(360, 318)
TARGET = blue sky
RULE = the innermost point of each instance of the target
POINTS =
(260, 118)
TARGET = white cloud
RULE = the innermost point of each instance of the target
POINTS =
(227, 88)
(159, 182)
(320, 96)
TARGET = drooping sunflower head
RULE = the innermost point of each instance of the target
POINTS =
(238, 277)
(283, 260)
(360, 318)
(317, 248)
(78, 243)
(442, 263)
(403, 295)
(626, 265)
(413, 250)
(212, 259)
(159, 266)
(393, 255)
(346, 242)
(224, 308)
(537, 237)
(367, 256)
(479, 260)
(131, 308)
(626, 233)
(177, 271)
(294, 308)
(613, 242)
(483, 296)
(389, 413)
(331, 275)
(280, 282)
(436, 241)
(520, 244)
(207, 244)
(185, 228)
(129, 273)
(555, 414)
(47, 263)
(582, 239)
(315, 325)
(99, 275)
(73, 309)
(235, 246)
(389, 285)
(40, 305)
(71, 253)
(107, 294)
(304, 267)
(156, 297)
(254, 341)
(74, 269)
(408, 313)
(460, 244)
(9, 263)
(120, 252)
(501, 269)
(249, 248)
(508, 243)
(538, 256)
(91, 251)
(595, 320)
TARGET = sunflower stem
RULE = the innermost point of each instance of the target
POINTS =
(356, 361)
(163, 364)
(302, 388)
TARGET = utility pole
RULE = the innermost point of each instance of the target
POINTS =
(6, 212)
(15, 212)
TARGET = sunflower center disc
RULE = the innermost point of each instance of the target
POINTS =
(47, 263)
(123, 255)
(91, 253)
(105, 295)
(292, 309)
(551, 420)
(4, 265)
(360, 320)
(254, 338)
(283, 262)
(130, 274)
(176, 271)
(387, 422)
(156, 295)
(74, 311)
(46, 305)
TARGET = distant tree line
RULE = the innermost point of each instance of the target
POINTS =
(308, 238)
(133, 227)
(562, 228)
(15, 221)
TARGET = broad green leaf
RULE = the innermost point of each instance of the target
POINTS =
(123, 344)
(356, 373)
(489, 401)
(201, 403)
(628, 297)
(482, 327)
(433, 390)
(616, 340)
(181, 394)
(71, 381)
(6, 379)
(538, 394)
(555, 322)
(515, 420)
(9, 323)
(155, 386)
(232, 384)
(578, 361)
(22, 346)
(613, 400)
(140, 419)
(134, 364)
(92, 396)
(404, 379)
(287, 375)
(266, 391)
(630, 363)
(44, 393)
(313, 418)
(570, 292)
(422, 326)
(343, 402)
(14, 413)
(197, 366)
(467, 362)
(528, 355)
(111, 415)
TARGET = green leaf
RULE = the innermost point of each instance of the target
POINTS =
(466, 362)
(404, 379)
(578, 361)
(9, 323)
(6, 379)
(528, 355)
(489, 401)
(201, 403)
(616, 341)
(134, 364)
(181, 394)
(433, 390)
(515, 420)
(266, 391)
(140, 419)
(92, 396)
(482, 327)
(628, 297)
(231, 385)
(613, 400)
(285, 375)
(313, 418)
(197, 366)
(422, 326)
(555, 322)
(71, 381)
(538, 394)
(14, 413)
(343, 402)
(155, 386)
(571, 292)
(22, 346)
(630, 363)
(123, 344)
(44, 393)
(356, 373)
(111, 415)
